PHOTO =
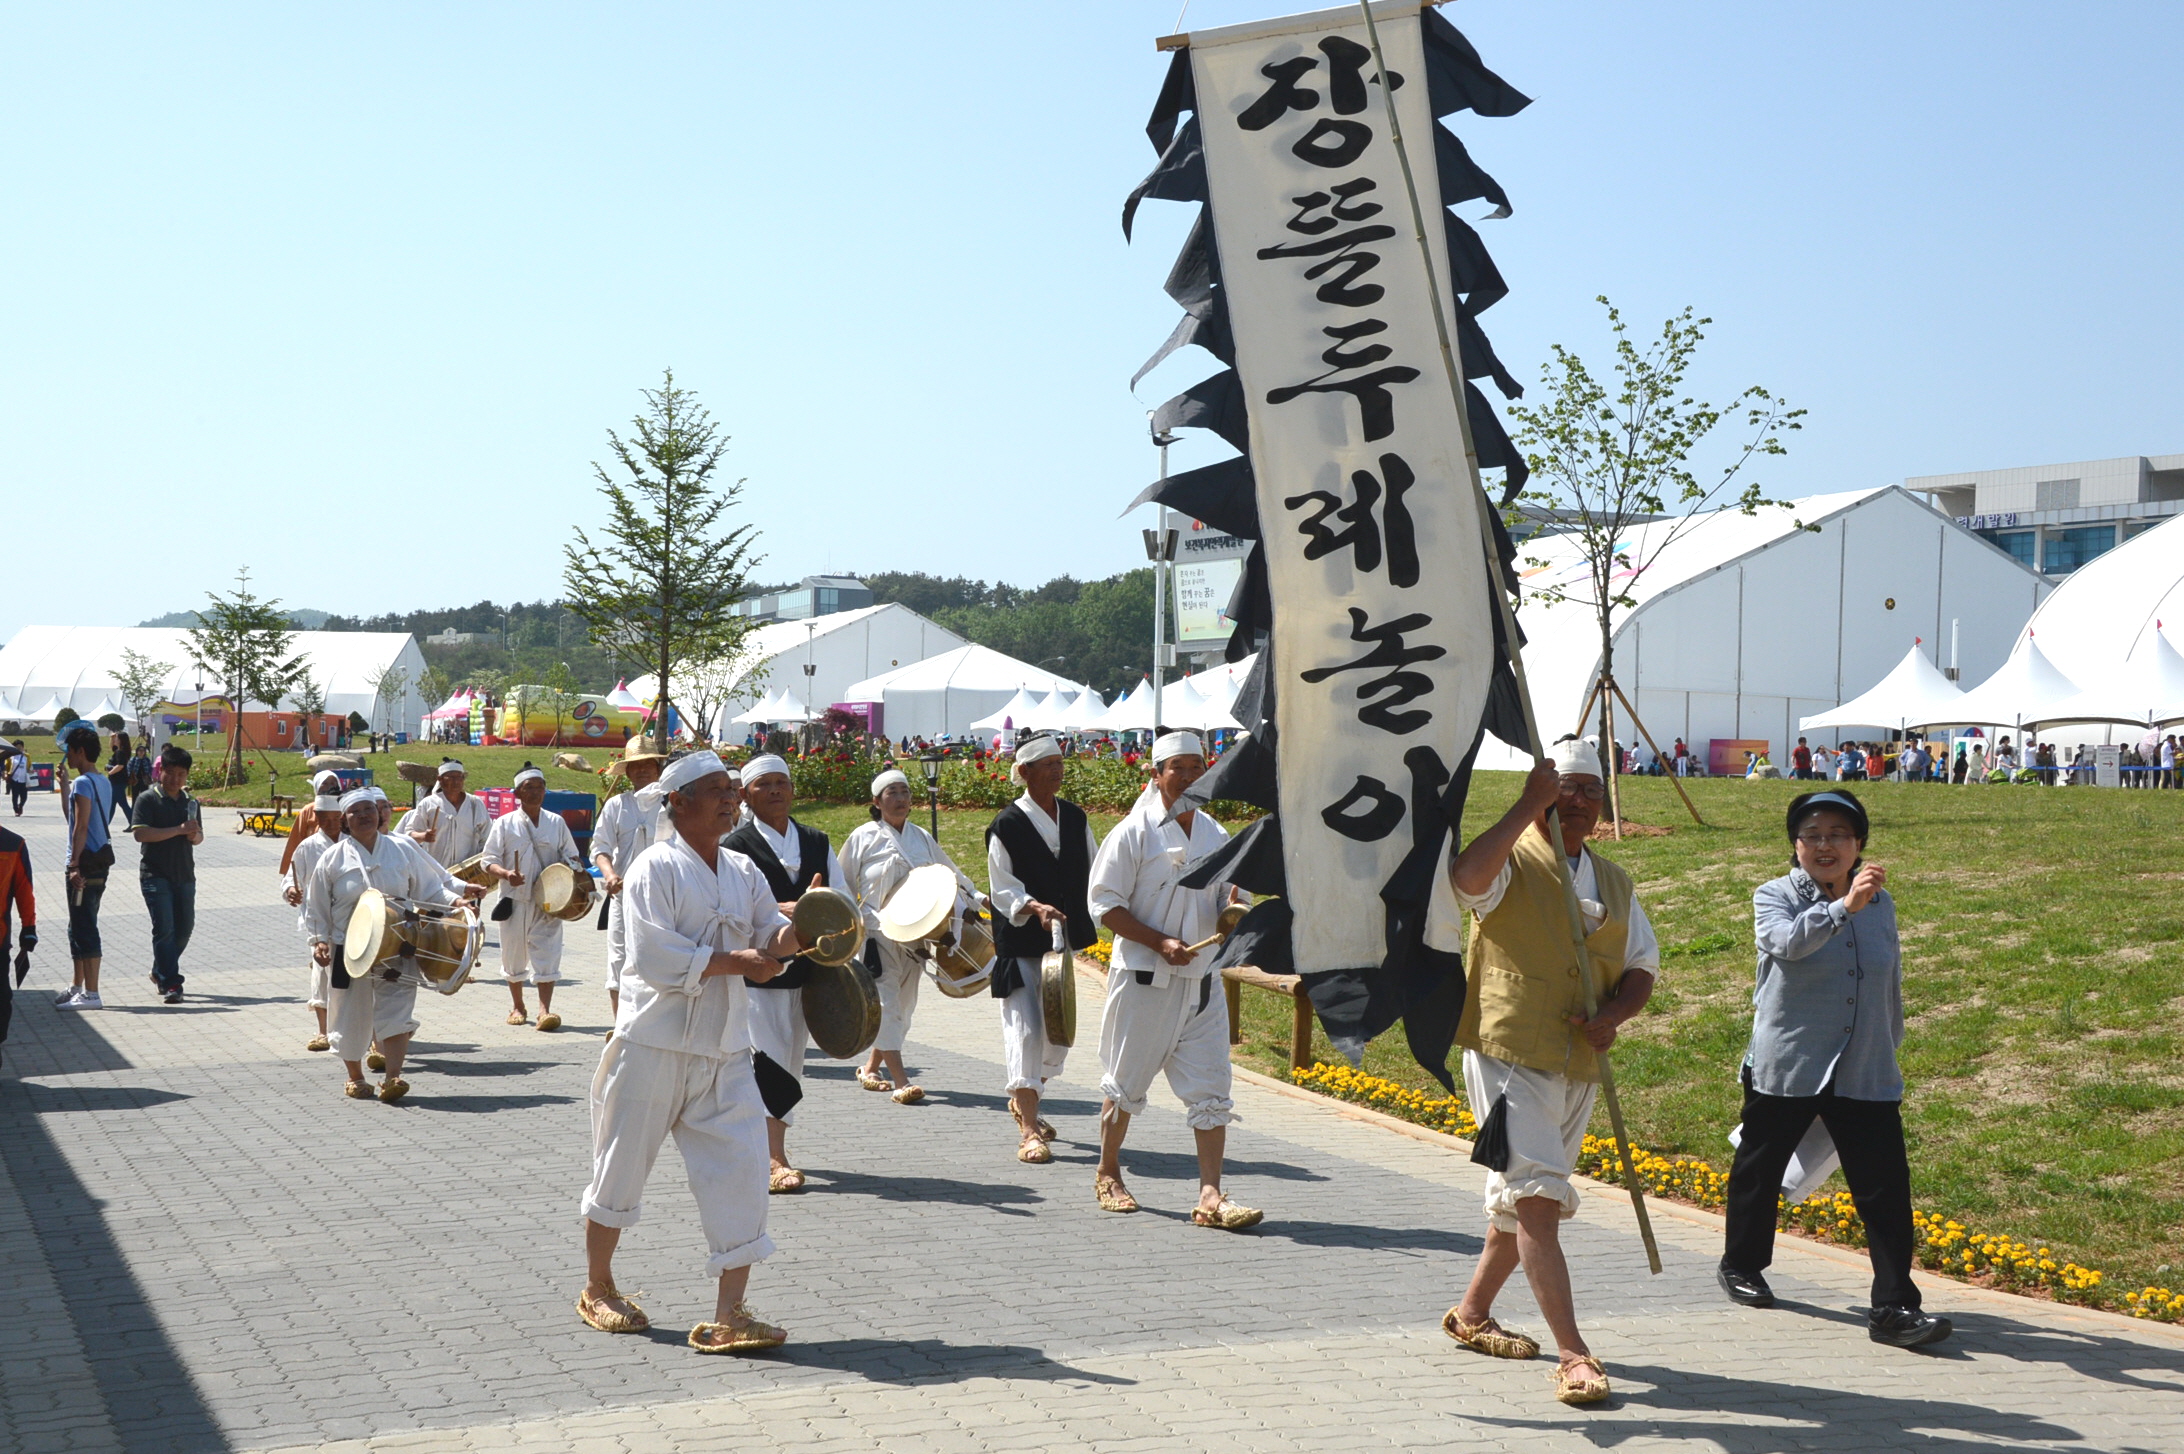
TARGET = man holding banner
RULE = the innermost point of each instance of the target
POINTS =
(1530, 1050)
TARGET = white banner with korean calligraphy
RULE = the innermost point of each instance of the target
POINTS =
(1368, 511)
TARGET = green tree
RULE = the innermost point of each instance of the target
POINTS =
(662, 583)
(245, 643)
(387, 682)
(1609, 457)
(436, 685)
(142, 682)
(559, 696)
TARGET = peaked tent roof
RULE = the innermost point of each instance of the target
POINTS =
(1913, 693)
(621, 697)
(969, 667)
(1085, 711)
(1131, 713)
(2028, 688)
(1013, 714)
(1051, 712)
(2103, 613)
(2147, 690)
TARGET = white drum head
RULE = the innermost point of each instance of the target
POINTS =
(920, 904)
(365, 936)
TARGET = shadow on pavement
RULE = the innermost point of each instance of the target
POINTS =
(2090, 1355)
(1013, 1201)
(1365, 1238)
(1183, 1166)
(481, 1105)
(48, 1100)
(929, 1360)
(479, 1068)
(1830, 1416)
(149, 1395)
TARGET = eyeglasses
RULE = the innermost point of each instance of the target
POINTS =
(1586, 788)
(1837, 839)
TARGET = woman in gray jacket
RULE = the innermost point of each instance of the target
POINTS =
(1827, 1021)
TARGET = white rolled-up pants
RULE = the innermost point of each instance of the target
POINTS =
(901, 974)
(616, 950)
(1546, 1118)
(1028, 1058)
(370, 1009)
(530, 944)
(1178, 1026)
(641, 1095)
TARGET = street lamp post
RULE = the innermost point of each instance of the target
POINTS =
(1160, 550)
(930, 762)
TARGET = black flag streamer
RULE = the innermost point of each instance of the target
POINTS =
(1374, 629)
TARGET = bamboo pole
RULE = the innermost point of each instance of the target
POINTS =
(1509, 635)
(1639, 722)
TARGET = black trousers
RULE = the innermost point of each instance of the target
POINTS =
(1869, 1136)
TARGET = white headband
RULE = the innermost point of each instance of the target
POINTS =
(680, 774)
(1177, 744)
(1031, 750)
(327, 802)
(356, 797)
(529, 774)
(888, 779)
(1576, 756)
(451, 766)
(762, 764)
(328, 778)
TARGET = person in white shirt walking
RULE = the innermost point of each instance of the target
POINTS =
(519, 847)
(1039, 853)
(876, 857)
(451, 823)
(702, 924)
(626, 828)
(326, 832)
(1164, 1013)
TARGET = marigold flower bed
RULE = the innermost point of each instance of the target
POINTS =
(1944, 1245)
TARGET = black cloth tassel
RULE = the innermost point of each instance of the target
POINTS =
(1224, 495)
(1243, 774)
(1252, 861)
(1215, 403)
(1178, 94)
(1179, 176)
(1456, 79)
(1491, 1148)
(776, 1087)
(1462, 179)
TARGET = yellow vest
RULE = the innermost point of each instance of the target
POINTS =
(1523, 983)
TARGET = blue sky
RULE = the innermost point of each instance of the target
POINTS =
(278, 276)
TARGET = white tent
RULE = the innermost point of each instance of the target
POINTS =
(841, 649)
(1199, 714)
(621, 697)
(2028, 690)
(1051, 712)
(762, 713)
(943, 695)
(77, 666)
(1084, 711)
(2106, 614)
(1131, 713)
(2147, 690)
(1013, 716)
(1914, 694)
(789, 711)
(1746, 623)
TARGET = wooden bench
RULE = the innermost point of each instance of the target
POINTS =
(274, 822)
(1233, 981)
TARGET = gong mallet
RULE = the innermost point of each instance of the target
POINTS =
(1496, 588)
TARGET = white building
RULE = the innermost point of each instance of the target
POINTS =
(1747, 623)
(2056, 517)
(840, 648)
(46, 668)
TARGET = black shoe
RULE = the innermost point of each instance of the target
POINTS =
(1747, 1289)
(173, 997)
(1907, 1327)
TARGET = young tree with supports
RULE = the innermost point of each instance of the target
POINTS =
(665, 577)
(142, 683)
(309, 695)
(246, 644)
(387, 683)
(1610, 457)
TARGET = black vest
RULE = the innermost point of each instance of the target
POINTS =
(813, 846)
(1060, 882)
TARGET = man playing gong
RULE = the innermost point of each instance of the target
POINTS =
(1039, 853)
(701, 923)
(325, 833)
(626, 828)
(1529, 1050)
(450, 822)
(518, 849)
(793, 857)
(1164, 1012)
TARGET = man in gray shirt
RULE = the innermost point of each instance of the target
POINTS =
(168, 827)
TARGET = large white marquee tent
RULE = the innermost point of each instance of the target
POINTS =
(2113, 625)
(843, 649)
(946, 695)
(1746, 624)
(46, 668)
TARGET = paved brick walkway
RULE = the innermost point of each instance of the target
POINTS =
(212, 1250)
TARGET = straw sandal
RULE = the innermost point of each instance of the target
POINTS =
(873, 1080)
(597, 1314)
(1227, 1217)
(909, 1095)
(1035, 1151)
(753, 1337)
(1573, 1385)
(393, 1090)
(357, 1090)
(1489, 1337)
(549, 1022)
(375, 1061)
(785, 1178)
(316, 1042)
(517, 1017)
(1113, 1197)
